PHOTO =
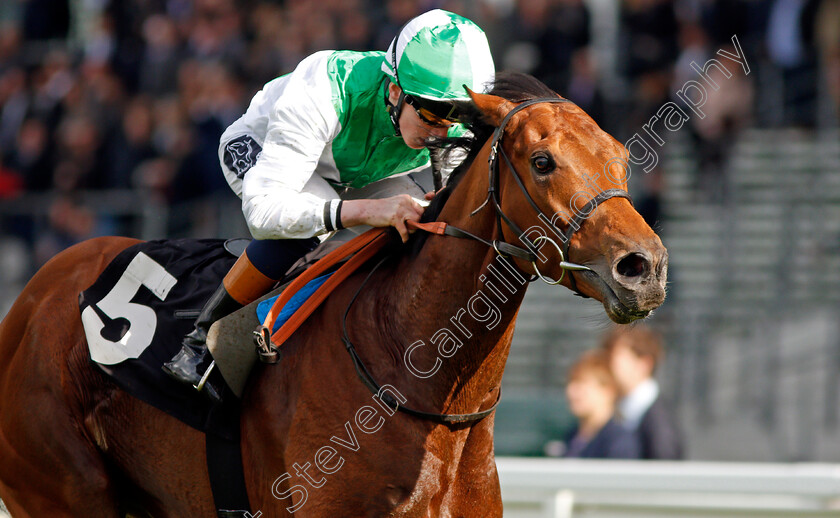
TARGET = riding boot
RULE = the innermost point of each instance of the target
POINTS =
(242, 285)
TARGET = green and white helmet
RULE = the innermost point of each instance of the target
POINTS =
(438, 53)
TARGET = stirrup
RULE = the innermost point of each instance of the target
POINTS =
(206, 375)
(266, 350)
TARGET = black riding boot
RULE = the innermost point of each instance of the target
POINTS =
(192, 361)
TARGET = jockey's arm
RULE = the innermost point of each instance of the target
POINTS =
(298, 212)
(385, 212)
(277, 201)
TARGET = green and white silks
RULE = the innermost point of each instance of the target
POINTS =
(324, 125)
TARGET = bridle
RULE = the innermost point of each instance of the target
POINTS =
(493, 194)
(501, 247)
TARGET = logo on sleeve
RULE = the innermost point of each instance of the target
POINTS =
(241, 154)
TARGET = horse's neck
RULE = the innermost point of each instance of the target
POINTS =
(445, 295)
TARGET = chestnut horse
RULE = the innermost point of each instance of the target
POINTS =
(434, 323)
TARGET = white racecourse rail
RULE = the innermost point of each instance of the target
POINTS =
(551, 488)
(559, 488)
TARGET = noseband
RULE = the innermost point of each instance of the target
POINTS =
(494, 195)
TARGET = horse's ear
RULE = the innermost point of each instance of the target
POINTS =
(492, 107)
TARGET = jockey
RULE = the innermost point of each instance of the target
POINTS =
(338, 142)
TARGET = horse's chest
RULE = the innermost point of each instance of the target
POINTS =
(440, 489)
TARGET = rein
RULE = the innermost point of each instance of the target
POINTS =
(367, 378)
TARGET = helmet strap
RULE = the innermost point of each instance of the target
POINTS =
(395, 110)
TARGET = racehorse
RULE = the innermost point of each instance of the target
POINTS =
(432, 322)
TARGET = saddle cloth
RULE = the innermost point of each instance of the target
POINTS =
(136, 314)
(144, 302)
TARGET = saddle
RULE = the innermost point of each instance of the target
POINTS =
(291, 304)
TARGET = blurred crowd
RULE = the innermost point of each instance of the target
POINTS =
(134, 94)
(619, 408)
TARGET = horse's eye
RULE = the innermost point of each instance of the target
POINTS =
(542, 164)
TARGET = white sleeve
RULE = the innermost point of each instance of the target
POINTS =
(301, 123)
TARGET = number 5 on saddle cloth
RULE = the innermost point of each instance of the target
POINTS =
(146, 300)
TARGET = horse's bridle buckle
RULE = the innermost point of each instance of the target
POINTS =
(494, 150)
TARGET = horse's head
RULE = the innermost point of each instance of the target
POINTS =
(563, 161)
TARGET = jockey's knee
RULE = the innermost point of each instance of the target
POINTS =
(274, 257)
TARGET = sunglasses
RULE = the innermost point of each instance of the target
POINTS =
(446, 114)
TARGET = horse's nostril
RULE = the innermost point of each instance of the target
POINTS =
(632, 265)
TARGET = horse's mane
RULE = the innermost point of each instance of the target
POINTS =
(513, 86)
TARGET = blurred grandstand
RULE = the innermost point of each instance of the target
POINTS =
(111, 111)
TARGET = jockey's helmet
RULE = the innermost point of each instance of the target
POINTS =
(434, 56)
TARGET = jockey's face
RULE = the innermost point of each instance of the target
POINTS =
(414, 131)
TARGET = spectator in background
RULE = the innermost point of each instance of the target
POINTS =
(727, 110)
(355, 31)
(161, 57)
(647, 50)
(10, 45)
(827, 39)
(130, 145)
(216, 32)
(789, 38)
(268, 53)
(11, 184)
(80, 164)
(634, 353)
(397, 13)
(31, 156)
(541, 37)
(583, 87)
(566, 36)
(14, 103)
(69, 221)
(592, 392)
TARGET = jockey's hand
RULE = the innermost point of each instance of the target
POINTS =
(429, 195)
(384, 212)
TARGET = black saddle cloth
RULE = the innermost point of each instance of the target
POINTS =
(116, 322)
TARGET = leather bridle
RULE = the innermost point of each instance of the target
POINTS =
(493, 194)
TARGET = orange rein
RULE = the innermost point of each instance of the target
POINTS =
(362, 248)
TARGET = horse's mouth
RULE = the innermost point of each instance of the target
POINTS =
(615, 308)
